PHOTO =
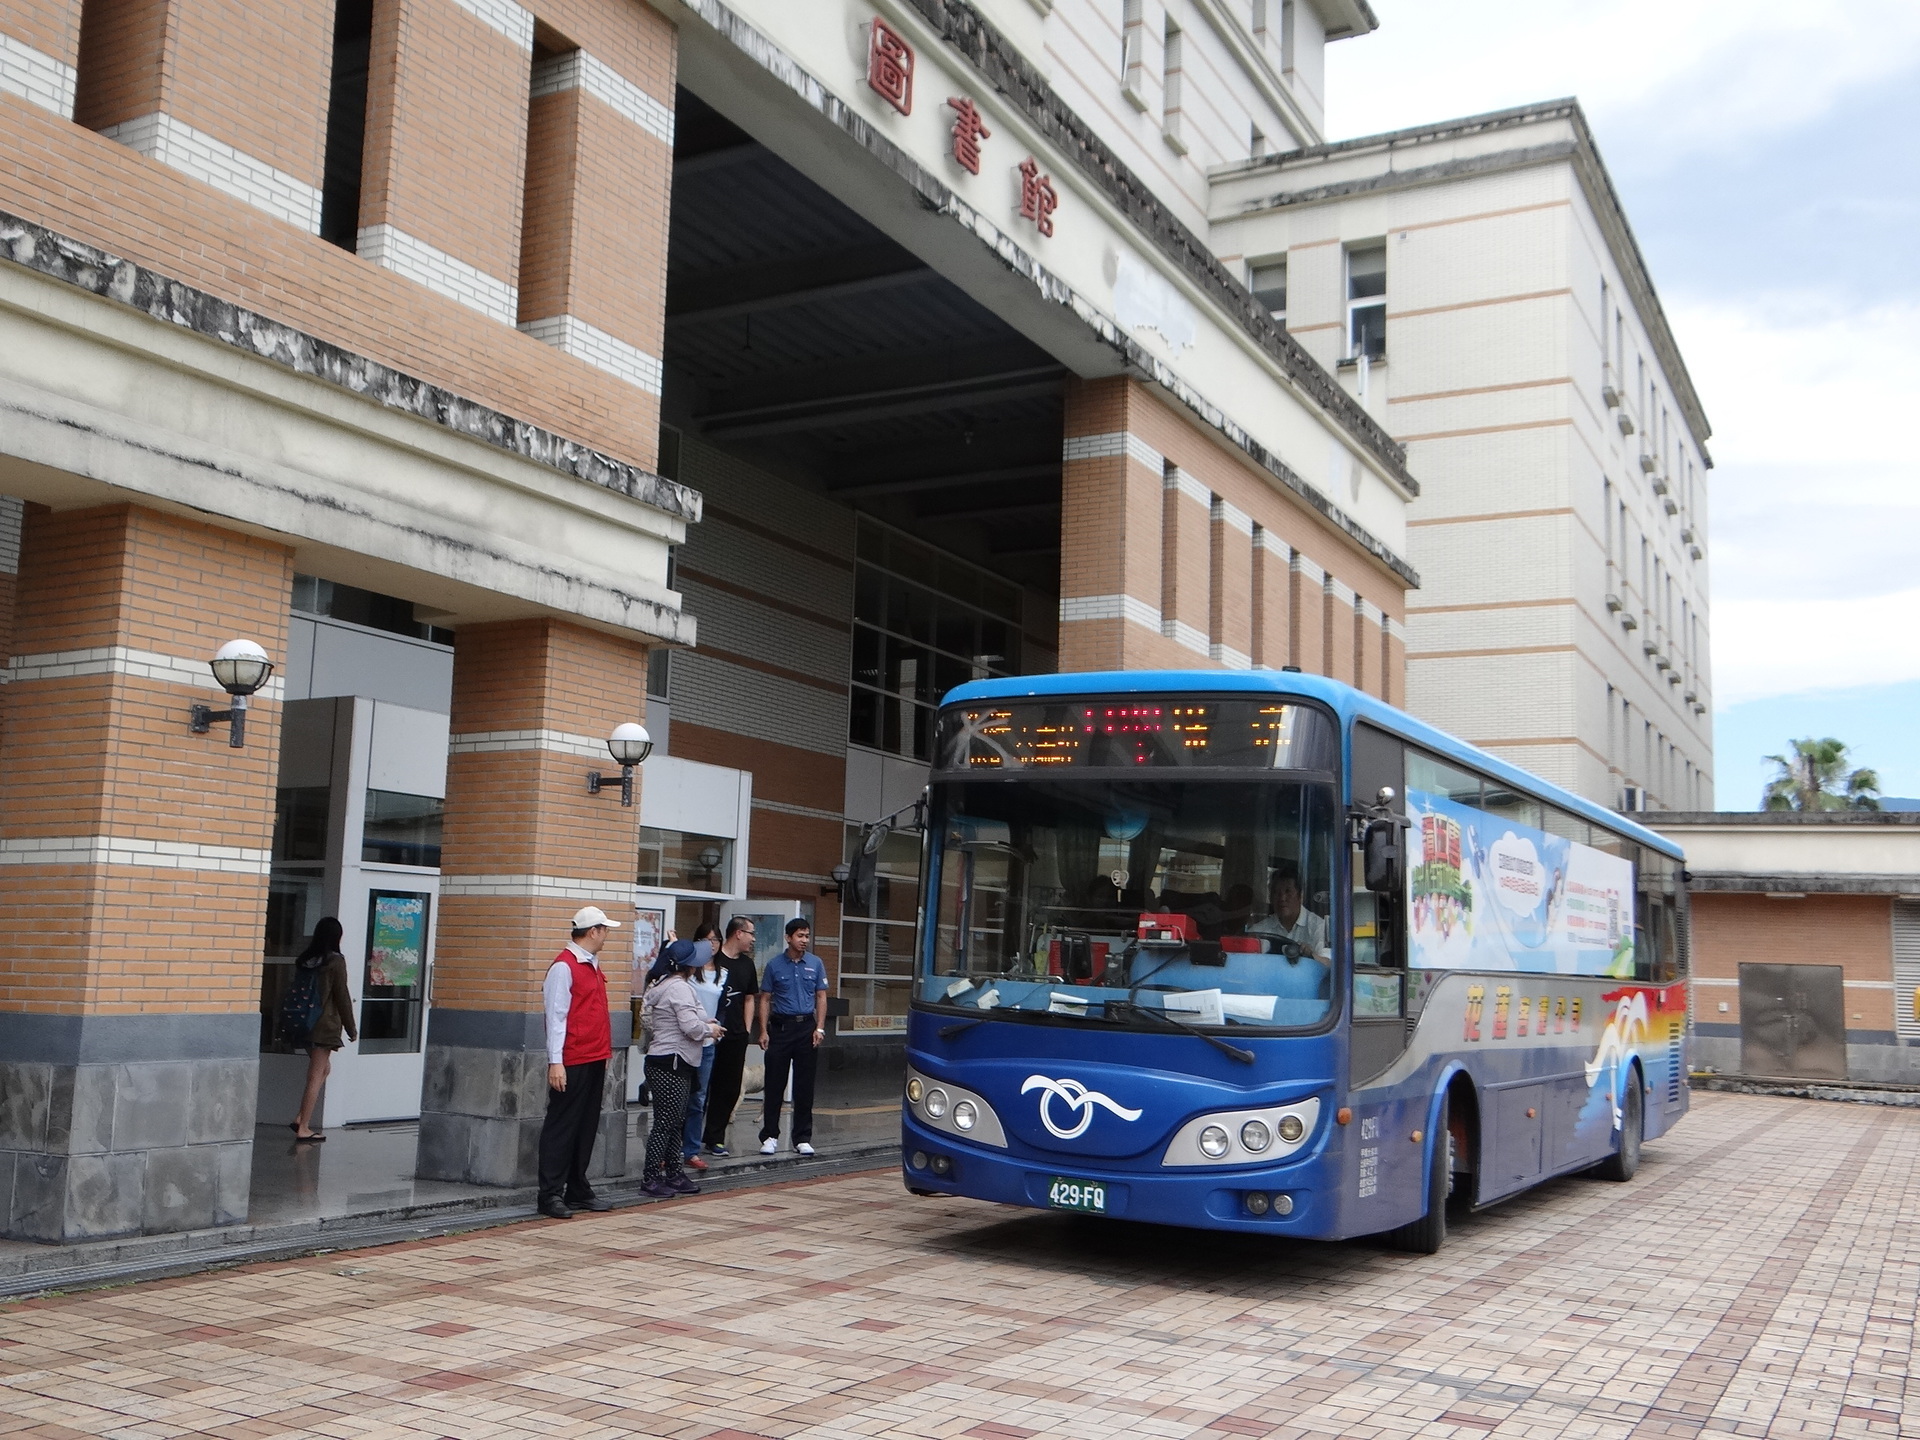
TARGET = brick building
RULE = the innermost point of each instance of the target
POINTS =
(1806, 942)
(462, 355)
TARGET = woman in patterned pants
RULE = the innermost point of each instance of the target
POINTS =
(679, 1030)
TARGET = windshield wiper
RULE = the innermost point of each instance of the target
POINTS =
(1245, 1057)
(947, 1032)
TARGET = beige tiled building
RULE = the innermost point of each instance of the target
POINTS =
(1477, 287)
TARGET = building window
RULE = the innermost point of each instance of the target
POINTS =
(1268, 281)
(402, 829)
(1133, 52)
(314, 596)
(876, 934)
(1172, 59)
(680, 860)
(346, 124)
(916, 638)
(1367, 301)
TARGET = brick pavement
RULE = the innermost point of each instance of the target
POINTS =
(1758, 1279)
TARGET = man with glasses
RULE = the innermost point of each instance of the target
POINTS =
(739, 1004)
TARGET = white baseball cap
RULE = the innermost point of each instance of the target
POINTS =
(589, 916)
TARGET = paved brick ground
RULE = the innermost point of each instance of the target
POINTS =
(1759, 1278)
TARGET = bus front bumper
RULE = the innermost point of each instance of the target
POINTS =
(1291, 1198)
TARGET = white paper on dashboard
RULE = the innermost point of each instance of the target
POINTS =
(989, 999)
(959, 987)
(1201, 1007)
(1257, 1008)
(1059, 1004)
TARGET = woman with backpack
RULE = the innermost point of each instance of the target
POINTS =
(678, 1029)
(318, 1010)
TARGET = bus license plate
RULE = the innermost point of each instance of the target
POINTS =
(1086, 1195)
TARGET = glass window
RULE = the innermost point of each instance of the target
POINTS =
(1131, 901)
(394, 993)
(402, 829)
(300, 822)
(1568, 827)
(877, 936)
(1437, 777)
(1367, 301)
(1510, 805)
(1268, 281)
(314, 596)
(680, 860)
(1131, 732)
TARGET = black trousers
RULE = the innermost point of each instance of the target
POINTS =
(672, 1086)
(790, 1050)
(572, 1125)
(723, 1086)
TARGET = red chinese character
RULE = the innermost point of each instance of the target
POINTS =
(890, 67)
(968, 131)
(1038, 198)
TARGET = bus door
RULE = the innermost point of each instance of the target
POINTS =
(1381, 1022)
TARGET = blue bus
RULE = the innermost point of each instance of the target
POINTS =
(1257, 951)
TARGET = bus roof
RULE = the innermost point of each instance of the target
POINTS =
(1345, 701)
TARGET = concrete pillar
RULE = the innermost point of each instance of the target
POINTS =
(525, 846)
(133, 899)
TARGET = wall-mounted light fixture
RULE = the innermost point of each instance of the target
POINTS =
(629, 745)
(241, 667)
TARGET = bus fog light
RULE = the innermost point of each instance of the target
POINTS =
(1256, 1203)
(918, 1160)
(965, 1115)
(1291, 1128)
(915, 1090)
(1256, 1137)
(936, 1102)
(942, 1165)
(1214, 1142)
(1283, 1204)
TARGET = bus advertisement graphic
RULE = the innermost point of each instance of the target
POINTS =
(1490, 894)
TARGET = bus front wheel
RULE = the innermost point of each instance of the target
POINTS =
(1624, 1163)
(1426, 1235)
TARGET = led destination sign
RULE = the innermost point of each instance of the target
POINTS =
(1037, 735)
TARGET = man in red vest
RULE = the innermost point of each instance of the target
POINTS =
(579, 1044)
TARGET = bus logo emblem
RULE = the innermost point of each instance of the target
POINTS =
(1076, 1097)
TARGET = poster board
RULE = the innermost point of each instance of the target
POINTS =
(1487, 893)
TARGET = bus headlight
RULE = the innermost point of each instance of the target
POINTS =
(964, 1115)
(1214, 1142)
(936, 1102)
(1256, 1136)
(1266, 1134)
(915, 1090)
(1291, 1128)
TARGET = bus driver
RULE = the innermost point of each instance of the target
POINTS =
(1290, 920)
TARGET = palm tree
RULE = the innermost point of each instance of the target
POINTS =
(1814, 776)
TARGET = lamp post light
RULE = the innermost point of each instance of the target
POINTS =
(241, 667)
(629, 745)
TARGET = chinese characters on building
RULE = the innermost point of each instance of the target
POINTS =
(968, 131)
(890, 67)
(1038, 198)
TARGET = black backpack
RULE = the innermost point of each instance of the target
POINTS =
(300, 1007)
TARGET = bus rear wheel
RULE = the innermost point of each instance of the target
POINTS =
(1426, 1235)
(1624, 1163)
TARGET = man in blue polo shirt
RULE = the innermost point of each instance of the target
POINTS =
(794, 988)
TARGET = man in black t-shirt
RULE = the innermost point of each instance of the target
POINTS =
(739, 1002)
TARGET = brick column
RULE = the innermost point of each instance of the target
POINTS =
(1112, 486)
(1336, 618)
(1231, 600)
(525, 846)
(1393, 637)
(233, 95)
(447, 91)
(1271, 582)
(1185, 563)
(41, 45)
(133, 893)
(593, 257)
(1307, 589)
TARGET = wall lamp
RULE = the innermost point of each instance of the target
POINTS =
(629, 745)
(241, 667)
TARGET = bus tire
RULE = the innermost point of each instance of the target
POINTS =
(1426, 1235)
(1624, 1163)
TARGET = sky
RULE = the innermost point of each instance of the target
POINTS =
(1764, 151)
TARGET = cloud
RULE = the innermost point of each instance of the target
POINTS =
(1765, 648)
(1691, 76)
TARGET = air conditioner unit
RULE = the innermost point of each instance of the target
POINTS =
(1655, 478)
(1627, 622)
(1609, 391)
(1670, 505)
(1633, 799)
(1695, 551)
(1648, 463)
(1686, 535)
(1625, 422)
(1615, 604)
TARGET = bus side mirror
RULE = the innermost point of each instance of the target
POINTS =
(1381, 850)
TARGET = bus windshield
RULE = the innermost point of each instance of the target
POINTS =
(1133, 901)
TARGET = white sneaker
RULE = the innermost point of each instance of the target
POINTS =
(769, 1147)
(804, 1148)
